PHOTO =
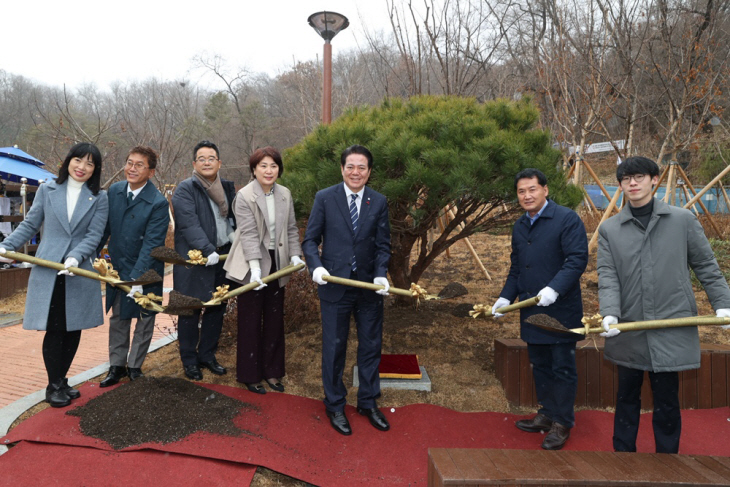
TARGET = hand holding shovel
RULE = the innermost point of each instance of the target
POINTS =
(486, 312)
(149, 277)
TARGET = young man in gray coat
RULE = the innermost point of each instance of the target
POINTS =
(138, 220)
(644, 256)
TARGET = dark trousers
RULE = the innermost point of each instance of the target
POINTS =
(59, 345)
(335, 330)
(260, 348)
(667, 419)
(556, 380)
(199, 340)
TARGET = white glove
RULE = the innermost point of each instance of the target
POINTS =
(4, 259)
(606, 323)
(382, 281)
(295, 260)
(547, 296)
(723, 313)
(317, 275)
(70, 262)
(501, 303)
(256, 277)
(135, 289)
(212, 259)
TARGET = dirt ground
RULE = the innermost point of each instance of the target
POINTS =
(456, 350)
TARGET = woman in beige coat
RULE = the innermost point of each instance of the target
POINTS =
(267, 239)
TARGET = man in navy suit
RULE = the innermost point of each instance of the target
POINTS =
(549, 254)
(138, 220)
(350, 221)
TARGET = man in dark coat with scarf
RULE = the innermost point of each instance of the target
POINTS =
(138, 220)
(549, 254)
(204, 221)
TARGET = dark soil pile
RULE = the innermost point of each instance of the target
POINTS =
(453, 290)
(166, 254)
(162, 410)
(150, 276)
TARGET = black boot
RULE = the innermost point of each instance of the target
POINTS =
(70, 391)
(56, 396)
(116, 373)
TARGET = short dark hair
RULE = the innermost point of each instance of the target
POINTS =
(530, 173)
(208, 144)
(357, 149)
(81, 150)
(147, 152)
(636, 165)
(259, 154)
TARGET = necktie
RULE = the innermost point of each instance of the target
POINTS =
(353, 217)
(130, 198)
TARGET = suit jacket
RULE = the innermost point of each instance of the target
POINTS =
(78, 238)
(330, 225)
(135, 230)
(552, 252)
(253, 237)
(195, 229)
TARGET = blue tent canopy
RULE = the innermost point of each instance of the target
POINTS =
(16, 164)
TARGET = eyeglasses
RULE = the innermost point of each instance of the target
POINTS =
(202, 160)
(636, 177)
(137, 165)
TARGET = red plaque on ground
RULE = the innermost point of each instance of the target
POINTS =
(399, 366)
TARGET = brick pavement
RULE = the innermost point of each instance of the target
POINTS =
(21, 360)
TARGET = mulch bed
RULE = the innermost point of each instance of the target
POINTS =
(161, 410)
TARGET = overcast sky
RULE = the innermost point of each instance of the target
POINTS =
(74, 42)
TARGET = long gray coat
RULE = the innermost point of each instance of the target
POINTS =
(252, 236)
(645, 276)
(61, 240)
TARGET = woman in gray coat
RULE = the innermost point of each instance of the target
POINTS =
(267, 239)
(72, 211)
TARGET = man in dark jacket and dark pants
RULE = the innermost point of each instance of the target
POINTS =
(549, 254)
(203, 221)
(138, 220)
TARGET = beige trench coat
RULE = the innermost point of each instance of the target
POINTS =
(252, 236)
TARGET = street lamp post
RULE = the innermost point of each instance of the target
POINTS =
(327, 25)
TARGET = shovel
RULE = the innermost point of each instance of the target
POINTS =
(123, 285)
(168, 255)
(418, 293)
(707, 320)
(481, 310)
(181, 304)
(549, 323)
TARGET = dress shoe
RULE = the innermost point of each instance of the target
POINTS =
(193, 372)
(376, 418)
(556, 438)
(56, 396)
(116, 373)
(214, 367)
(70, 391)
(275, 385)
(339, 422)
(256, 388)
(538, 424)
(134, 373)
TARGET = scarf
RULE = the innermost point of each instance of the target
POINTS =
(215, 192)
